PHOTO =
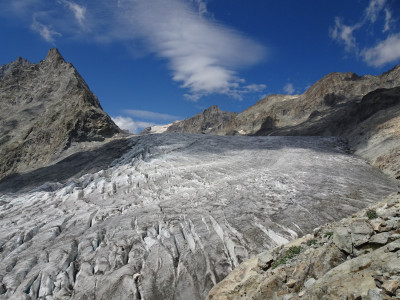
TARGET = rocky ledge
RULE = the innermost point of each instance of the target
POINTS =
(355, 258)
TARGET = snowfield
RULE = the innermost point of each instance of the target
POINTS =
(175, 214)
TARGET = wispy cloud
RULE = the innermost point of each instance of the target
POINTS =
(78, 11)
(344, 34)
(149, 115)
(254, 88)
(289, 88)
(386, 50)
(203, 55)
(388, 20)
(373, 9)
(129, 124)
(45, 31)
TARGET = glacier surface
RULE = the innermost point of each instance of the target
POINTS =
(175, 214)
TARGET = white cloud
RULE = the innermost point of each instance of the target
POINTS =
(78, 11)
(149, 115)
(46, 32)
(373, 9)
(375, 53)
(129, 124)
(255, 88)
(344, 34)
(203, 56)
(289, 88)
(387, 51)
(388, 20)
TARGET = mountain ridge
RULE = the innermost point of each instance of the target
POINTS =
(290, 110)
(209, 121)
(46, 107)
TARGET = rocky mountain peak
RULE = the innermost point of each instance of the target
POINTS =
(54, 56)
(46, 108)
(18, 63)
(211, 109)
(209, 121)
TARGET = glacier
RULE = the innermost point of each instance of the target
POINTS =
(175, 214)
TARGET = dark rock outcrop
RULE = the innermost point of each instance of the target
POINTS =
(209, 121)
(46, 108)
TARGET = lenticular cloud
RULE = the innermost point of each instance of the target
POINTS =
(202, 54)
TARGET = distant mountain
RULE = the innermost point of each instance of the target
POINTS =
(363, 110)
(46, 108)
(286, 114)
(210, 121)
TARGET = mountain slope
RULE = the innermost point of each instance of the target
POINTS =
(209, 121)
(46, 108)
(332, 92)
(175, 214)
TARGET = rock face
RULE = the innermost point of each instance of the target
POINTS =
(335, 91)
(45, 108)
(356, 258)
(209, 121)
(176, 213)
(377, 136)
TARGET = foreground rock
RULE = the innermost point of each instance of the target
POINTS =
(45, 109)
(176, 213)
(356, 258)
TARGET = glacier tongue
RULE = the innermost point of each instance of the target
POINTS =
(175, 214)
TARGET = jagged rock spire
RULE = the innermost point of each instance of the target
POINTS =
(62, 111)
(54, 56)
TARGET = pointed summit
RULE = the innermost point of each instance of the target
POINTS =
(54, 56)
(62, 112)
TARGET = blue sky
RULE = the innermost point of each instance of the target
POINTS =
(155, 61)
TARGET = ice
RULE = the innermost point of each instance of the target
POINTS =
(175, 214)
